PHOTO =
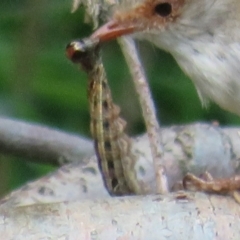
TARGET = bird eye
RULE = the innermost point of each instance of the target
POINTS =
(163, 9)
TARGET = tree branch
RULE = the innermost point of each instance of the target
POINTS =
(194, 148)
(174, 216)
(41, 144)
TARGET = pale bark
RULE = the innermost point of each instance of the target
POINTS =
(194, 148)
(41, 144)
(193, 216)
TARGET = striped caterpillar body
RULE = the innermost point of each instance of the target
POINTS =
(107, 128)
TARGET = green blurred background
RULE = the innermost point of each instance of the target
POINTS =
(38, 84)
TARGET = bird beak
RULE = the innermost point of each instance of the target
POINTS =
(112, 30)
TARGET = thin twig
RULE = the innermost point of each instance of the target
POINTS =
(148, 109)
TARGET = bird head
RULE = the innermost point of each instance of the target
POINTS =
(164, 19)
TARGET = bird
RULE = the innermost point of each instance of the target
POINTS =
(202, 35)
(204, 38)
